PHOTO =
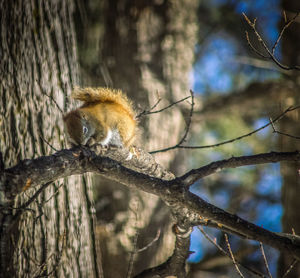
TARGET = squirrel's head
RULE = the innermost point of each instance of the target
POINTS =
(79, 127)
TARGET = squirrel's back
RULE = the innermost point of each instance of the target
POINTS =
(92, 95)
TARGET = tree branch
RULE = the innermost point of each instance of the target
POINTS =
(175, 265)
(214, 242)
(270, 53)
(188, 125)
(192, 176)
(186, 206)
(270, 123)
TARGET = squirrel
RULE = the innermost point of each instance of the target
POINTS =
(106, 117)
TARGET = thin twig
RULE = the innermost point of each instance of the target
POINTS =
(283, 30)
(265, 259)
(214, 242)
(170, 105)
(290, 268)
(4, 208)
(55, 193)
(288, 135)
(34, 196)
(253, 48)
(48, 143)
(282, 133)
(271, 122)
(147, 112)
(186, 130)
(151, 243)
(55, 102)
(264, 45)
(232, 256)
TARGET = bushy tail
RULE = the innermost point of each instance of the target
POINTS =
(90, 95)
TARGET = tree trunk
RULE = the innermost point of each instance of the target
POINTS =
(38, 65)
(290, 125)
(147, 50)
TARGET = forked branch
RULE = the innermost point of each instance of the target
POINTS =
(186, 206)
(270, 53)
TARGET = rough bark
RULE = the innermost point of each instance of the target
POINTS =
(38, 67)
(189, 209)
(290, 125)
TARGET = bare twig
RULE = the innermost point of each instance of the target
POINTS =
(55, 193)
(186, 130)
(54, 101)
(282, 133)
(48, 143)
(264, 45)
(253, 48)
(35, 195)
(265, 259)
(214, 242)
(295, 261)
(135, 251)
(271, 122)
(165, 108)
(232, 257)
(287, 24)
(146, 112)
(4, 208)
(150, 243)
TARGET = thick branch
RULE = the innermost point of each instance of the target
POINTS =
(174, 192)
(192, 176)
(76, 161)
(175, 265)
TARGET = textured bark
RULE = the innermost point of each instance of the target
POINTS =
(290, 125)
(146, 47)
(38, 67)
(188, 209)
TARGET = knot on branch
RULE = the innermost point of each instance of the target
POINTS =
(182, 231)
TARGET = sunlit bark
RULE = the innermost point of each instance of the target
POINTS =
(38, 68)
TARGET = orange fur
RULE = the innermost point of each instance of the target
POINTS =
(103, 109)
(113, 115)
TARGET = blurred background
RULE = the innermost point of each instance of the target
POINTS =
(156, 51)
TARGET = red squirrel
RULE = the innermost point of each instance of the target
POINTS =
(106, 117)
